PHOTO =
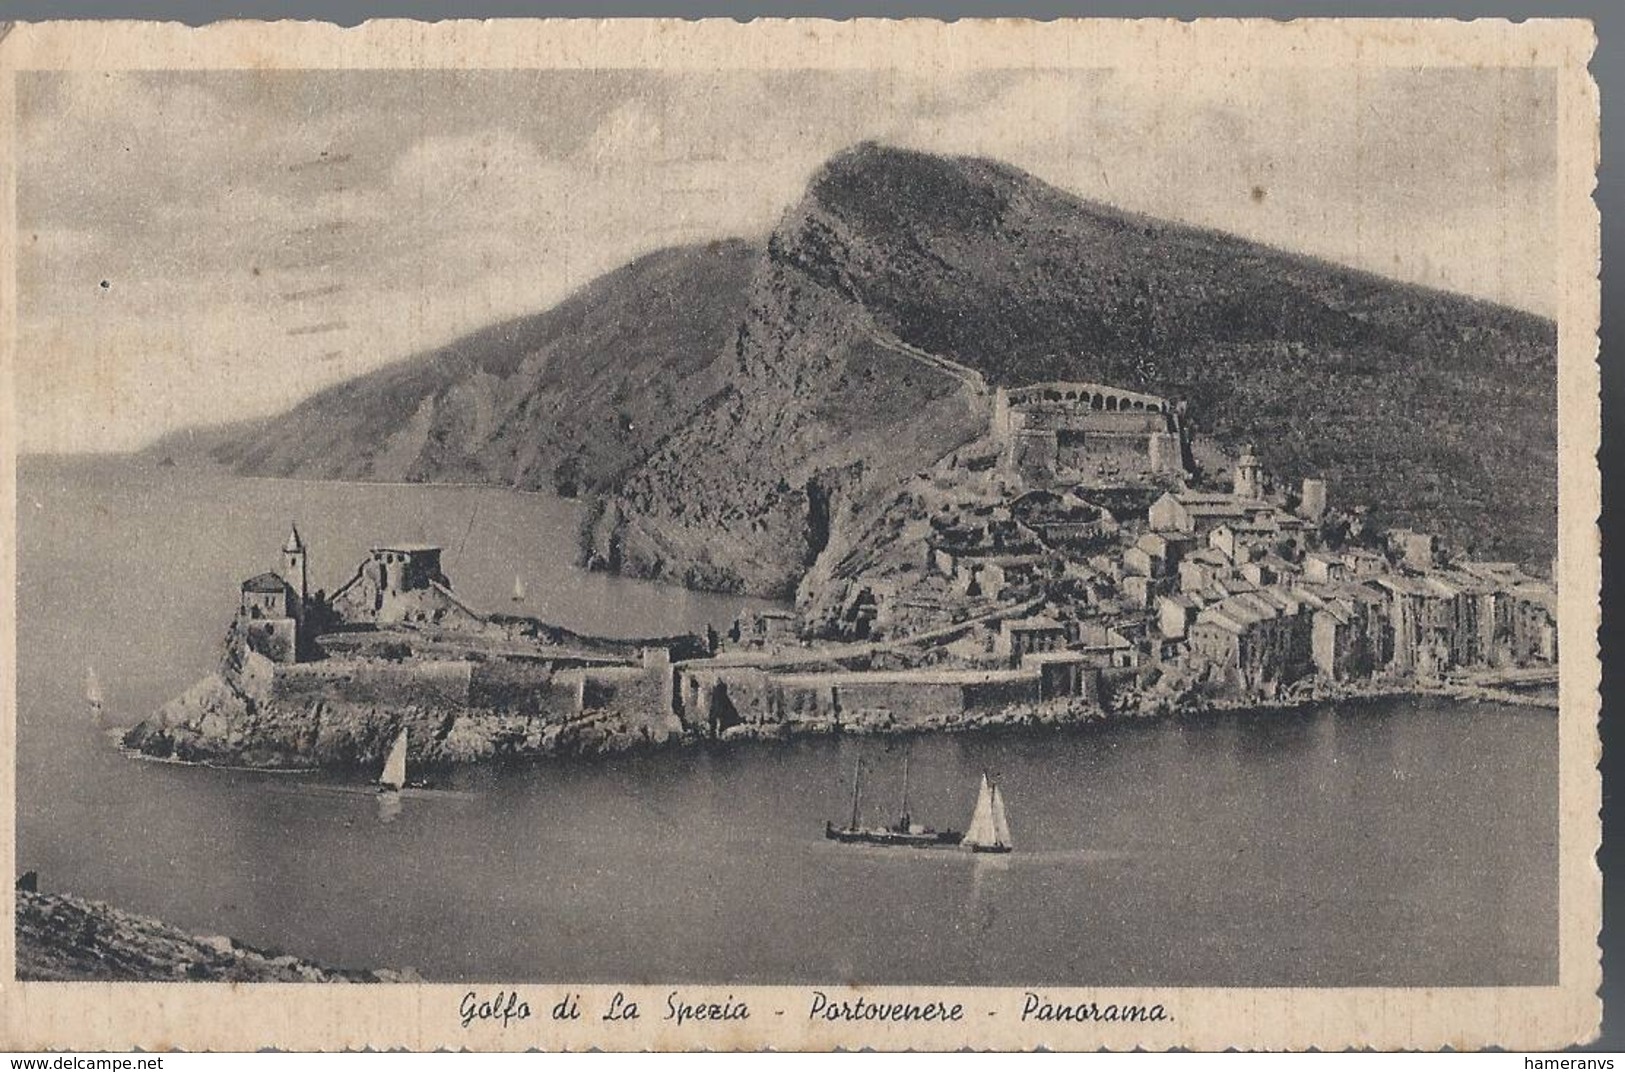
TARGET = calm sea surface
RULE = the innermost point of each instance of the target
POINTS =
(1393, 843)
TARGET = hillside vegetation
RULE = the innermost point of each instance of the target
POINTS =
(735, 413)
(569, 399)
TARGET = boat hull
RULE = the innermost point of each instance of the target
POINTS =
(1000, 849)
(926, 839)
(385, 787)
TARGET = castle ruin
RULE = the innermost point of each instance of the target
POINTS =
(1074, 432)
(278, 615)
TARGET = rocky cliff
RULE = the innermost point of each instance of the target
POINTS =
(65, 939)
(741, 414)
(1435, 410)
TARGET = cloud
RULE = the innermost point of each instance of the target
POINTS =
(630, 134)
(232, 211)
(1440, 177)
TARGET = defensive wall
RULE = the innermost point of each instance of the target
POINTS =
(1051, 430)
(1075, 395)
(438, 683)
(530, 687)
(655, 697)
(640, 697)
(713, 699)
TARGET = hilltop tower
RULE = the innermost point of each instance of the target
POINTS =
(1249, 476)
(294, 569)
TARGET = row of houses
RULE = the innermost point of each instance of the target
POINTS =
(985, 551)
(1237, 580)
(1342, 623)
(1092, 642)
(1243, 584)
(1281, 634)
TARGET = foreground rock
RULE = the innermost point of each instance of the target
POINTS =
(65, 939)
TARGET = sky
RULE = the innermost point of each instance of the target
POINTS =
(196, 247)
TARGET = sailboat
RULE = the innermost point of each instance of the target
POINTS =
(393, 778)
(988, 830)
(518, 589)
(904, 832)
(93, 693)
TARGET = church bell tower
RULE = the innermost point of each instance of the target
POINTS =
(294, 569)
(1249, 476)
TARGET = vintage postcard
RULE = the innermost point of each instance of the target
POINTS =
(800, 535)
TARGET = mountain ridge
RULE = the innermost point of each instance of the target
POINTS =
(468, 411)
(736, 412)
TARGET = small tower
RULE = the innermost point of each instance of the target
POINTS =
(1312, 503)
(294, 569)
(1249, 476)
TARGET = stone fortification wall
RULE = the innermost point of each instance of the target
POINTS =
(1001, 691)
(1127, 423)
(1090, 454)
(1084, 396)
(717, 699)
(348, 713)
(713, 699)
(898, 702)
(507, 686)
(440, 683)
(859, 698)
(347, 710)
(522, 687)
(639, 697)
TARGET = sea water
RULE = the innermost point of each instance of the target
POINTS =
(1383, 843)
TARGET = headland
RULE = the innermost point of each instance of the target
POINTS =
(1076, 564)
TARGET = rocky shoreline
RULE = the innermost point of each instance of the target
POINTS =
(1071, 712)
(212, 726)
(67, 939)
(194, 729)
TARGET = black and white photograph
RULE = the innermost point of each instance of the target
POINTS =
(665, 531)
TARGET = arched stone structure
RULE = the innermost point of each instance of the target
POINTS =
(1064, 429)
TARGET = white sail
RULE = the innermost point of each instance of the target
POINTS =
(394, 775)
(518, 589)
(982, 829)
(93, 687)
(1001, 828)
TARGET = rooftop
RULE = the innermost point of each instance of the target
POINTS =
(1063, 657)
(1402, 584)
(1254, 526)
(1338, 611)
(1213, 616)
(265, 582)
(1229, 507)
(1035, 622)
